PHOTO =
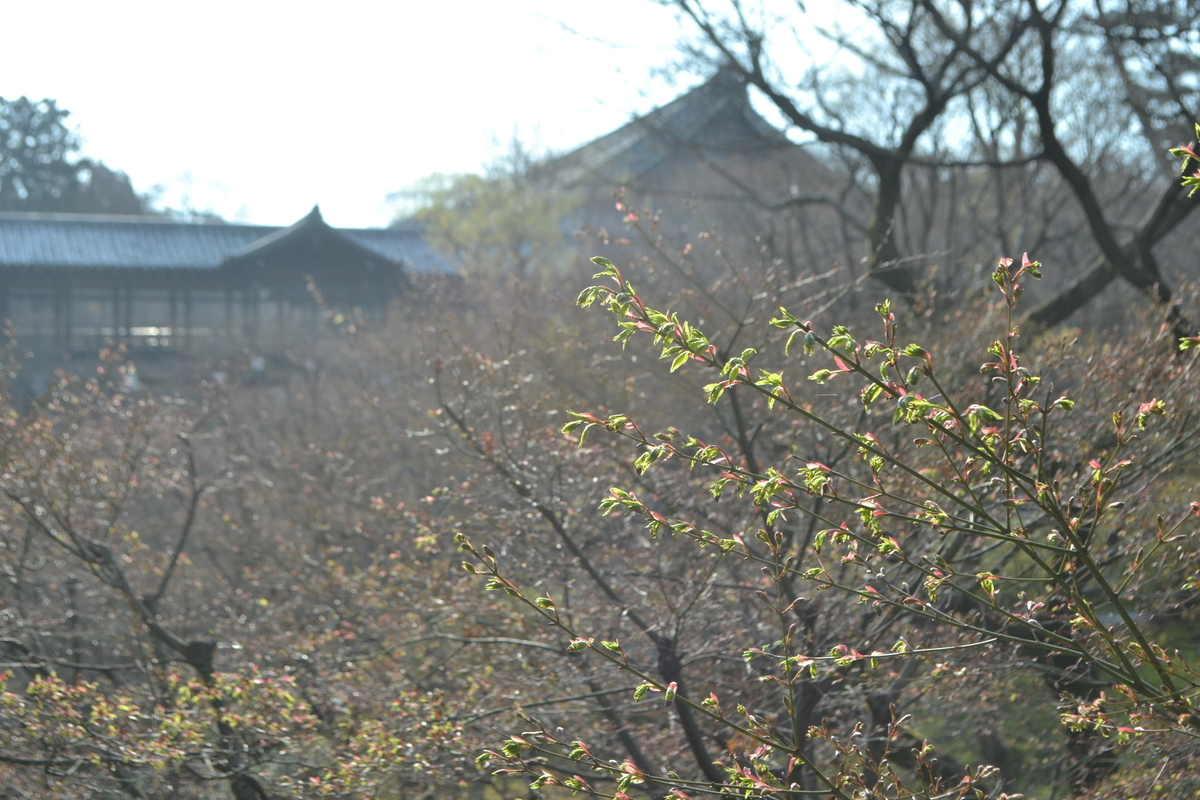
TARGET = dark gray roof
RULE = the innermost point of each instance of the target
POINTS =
(714, 117)
(402, 242)
(111, 242)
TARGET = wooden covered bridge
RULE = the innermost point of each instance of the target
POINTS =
(71, 283)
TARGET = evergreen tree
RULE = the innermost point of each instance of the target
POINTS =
(41, 168)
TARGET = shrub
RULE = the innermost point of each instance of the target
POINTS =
(980, 529)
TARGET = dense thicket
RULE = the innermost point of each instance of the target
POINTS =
(256, 589)
(902, 578)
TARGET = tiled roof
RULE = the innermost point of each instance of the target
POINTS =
(715, 116)
(109, 242)
(402, 242)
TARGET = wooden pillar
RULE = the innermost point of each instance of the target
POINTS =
(66, 313)
(116, 318)
(129, 314)
(249, 318)
(56, 304)
(187, 315)
(172, 317)
(5, 314)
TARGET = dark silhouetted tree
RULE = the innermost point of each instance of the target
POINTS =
(41, 168)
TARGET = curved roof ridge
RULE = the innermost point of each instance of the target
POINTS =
(75, 241)
(646, 140)
(312, 222)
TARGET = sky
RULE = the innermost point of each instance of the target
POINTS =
(257, 110)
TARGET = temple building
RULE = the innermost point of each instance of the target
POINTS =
(71, 283)
(712, 127)
(709, 158)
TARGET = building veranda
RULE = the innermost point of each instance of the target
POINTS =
(74, 283)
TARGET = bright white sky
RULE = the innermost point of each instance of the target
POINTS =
(257, 110)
